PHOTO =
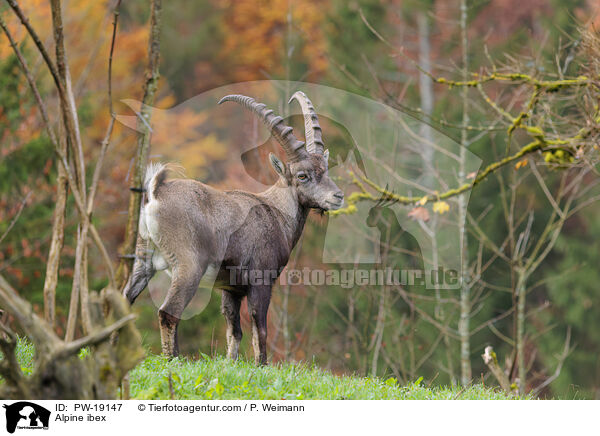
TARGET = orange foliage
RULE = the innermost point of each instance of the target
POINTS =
(256, 31)
(590, 14)
(87, 38)
(88, 30)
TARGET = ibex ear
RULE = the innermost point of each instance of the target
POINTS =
(278, 166)
(326, 155)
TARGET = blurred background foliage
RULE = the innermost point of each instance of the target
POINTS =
(211, 43)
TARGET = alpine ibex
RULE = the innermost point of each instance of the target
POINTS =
(188, 227)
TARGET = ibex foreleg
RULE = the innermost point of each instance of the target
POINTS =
(259, 298)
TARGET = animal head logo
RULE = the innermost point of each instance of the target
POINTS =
(26, 415)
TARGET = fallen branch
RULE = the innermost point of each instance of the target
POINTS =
(490, 359)
(94, 338)
(59, 372)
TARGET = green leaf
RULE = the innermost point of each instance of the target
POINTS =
(392, 381)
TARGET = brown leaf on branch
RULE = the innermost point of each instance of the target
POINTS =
(419, 214)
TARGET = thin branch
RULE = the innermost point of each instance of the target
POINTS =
(41, 48)
(16, 217)
(544, 187)
(110, 57)
(365, 195)
(62, 158)
(92, 339)
(567, 349)
(109, 130)
(492, 321)
(30, 80)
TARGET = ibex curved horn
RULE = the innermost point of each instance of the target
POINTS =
(312, 129)
(294, 148)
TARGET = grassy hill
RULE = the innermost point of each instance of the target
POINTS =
(220, 378)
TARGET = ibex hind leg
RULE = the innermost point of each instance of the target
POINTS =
(184, 285)
(230, 307)
(259, 298)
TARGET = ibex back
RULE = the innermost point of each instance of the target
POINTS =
(188, 227)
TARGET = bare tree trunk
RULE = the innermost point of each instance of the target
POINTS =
(57, 241)
(285, 325)
(521, 297)
(379, 328)
(71, 123)
(68, 102)
(465, 291)
(74, 301)
(425, 131)
(353, 340)
(143, 146)
(425, 91)
(86, 317)
(285, 322)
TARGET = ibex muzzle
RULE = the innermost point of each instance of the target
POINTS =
(188, 227)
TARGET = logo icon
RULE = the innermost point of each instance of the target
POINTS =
(26, 415)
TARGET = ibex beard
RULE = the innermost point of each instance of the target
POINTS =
(188, 228)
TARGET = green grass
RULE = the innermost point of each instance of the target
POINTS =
(25, 355)
(220, 378)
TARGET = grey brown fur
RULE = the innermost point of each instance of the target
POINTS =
(188, 227)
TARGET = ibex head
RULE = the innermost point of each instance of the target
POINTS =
(306, 171)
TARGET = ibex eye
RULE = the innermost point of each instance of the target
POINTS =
(302, 177)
